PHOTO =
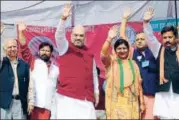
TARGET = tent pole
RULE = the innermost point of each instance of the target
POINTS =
(9, 24)
(176, 13)
(73, 16)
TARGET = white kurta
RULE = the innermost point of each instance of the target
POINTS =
(166, 103)
(67, 107)
(70, 108)
(44, 83)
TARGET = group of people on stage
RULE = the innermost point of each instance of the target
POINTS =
(142, 81)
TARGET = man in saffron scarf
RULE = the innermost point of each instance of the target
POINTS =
(167, 98)
(123, 80)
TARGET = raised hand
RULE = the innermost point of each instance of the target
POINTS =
(67, 10)
(148, 14)
(127, 13)
(21, 26)
(112, 32)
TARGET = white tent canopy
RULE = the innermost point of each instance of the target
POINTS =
(47, 13)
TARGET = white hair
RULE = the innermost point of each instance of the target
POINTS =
(4, 45)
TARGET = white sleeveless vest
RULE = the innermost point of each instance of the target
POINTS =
(44, 83)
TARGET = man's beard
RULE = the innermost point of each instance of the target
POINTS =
(45, 58)
(79, 46)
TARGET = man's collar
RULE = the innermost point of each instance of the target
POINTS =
(12, 60)
(174, 48)
(9, 60)
(49, 62)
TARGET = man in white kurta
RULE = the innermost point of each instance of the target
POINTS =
(44, 74)
(166, 103)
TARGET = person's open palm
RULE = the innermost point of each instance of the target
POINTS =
(21, 26)
(127, 13)
(67, 10)
(112, 32)
(148, 14)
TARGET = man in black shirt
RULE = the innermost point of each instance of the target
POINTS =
(167, 54)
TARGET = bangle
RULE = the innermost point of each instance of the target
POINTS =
(146, 21)
(108, 41)
(63, 17)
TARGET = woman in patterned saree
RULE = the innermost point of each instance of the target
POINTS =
(124, 95)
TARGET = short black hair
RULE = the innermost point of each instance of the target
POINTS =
(43, 44)
(168, 29)
(121, 41)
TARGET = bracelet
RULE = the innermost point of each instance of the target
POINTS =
(146, 21)
(108, 41)
(63, 17)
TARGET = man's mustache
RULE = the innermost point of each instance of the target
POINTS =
(44, 55)
(78, 40)
(167, 43)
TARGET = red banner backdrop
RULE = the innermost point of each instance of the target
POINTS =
(95, 37)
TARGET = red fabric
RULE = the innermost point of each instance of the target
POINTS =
(27, 55)
(95, 37)
(76, 76)
(37, 31)
(40, 113)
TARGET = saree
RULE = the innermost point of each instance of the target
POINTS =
(125, 104)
